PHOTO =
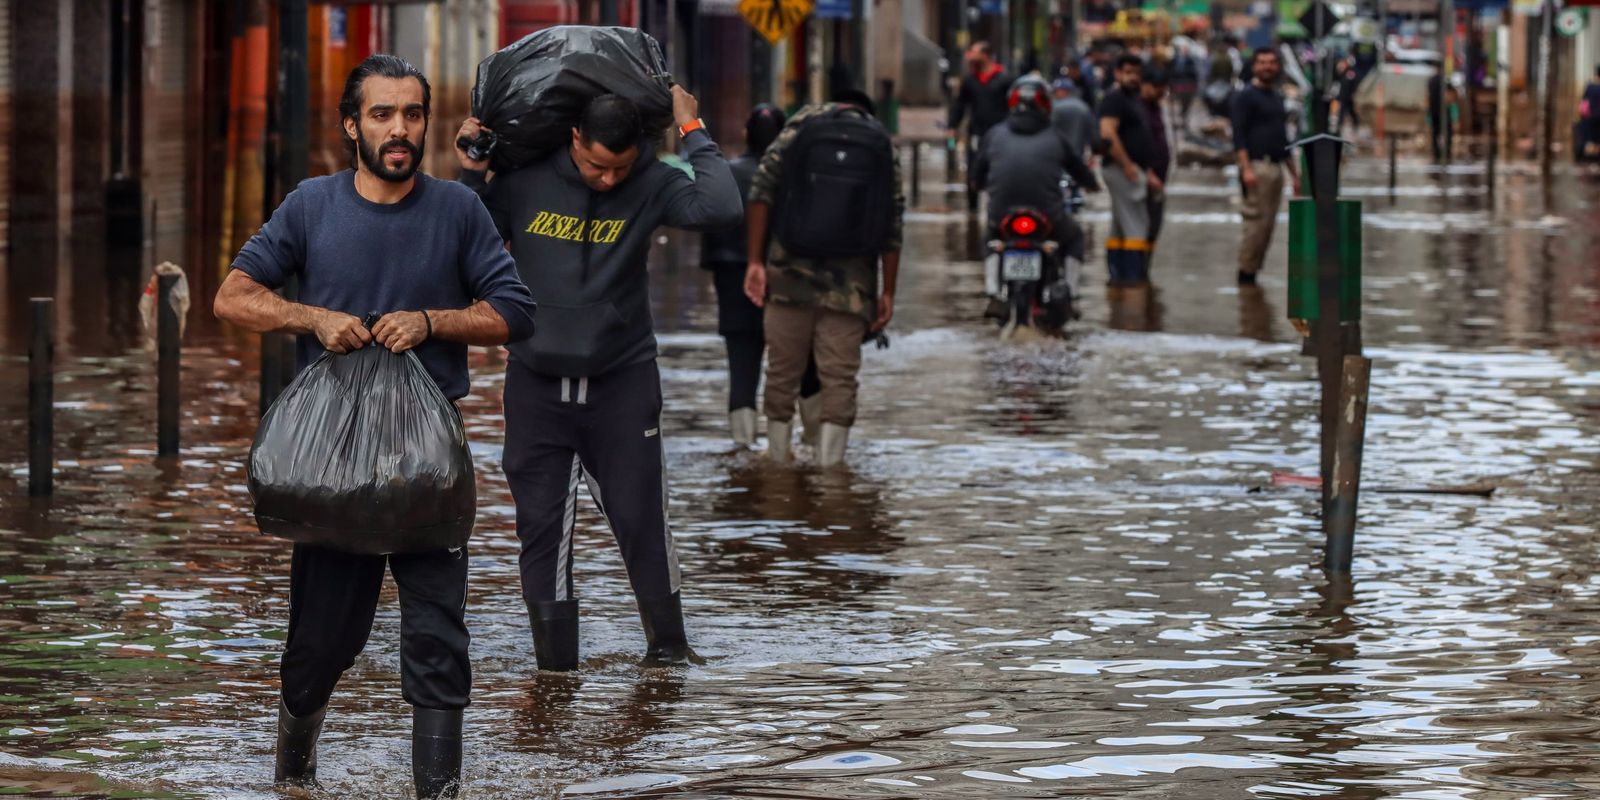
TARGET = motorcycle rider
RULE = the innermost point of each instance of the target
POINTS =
(1020, 163)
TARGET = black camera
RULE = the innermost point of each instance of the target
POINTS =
(477, 149)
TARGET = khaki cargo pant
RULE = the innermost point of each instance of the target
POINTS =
(1260, 212)
(794, 334)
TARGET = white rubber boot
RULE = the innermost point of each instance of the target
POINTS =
(780, 439)
(831, 444)
(810, 419)
(742, 426)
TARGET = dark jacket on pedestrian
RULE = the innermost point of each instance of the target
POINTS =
(1074, 119)
(1020, 164)
(846, 285)
(1158, 137)
(582, 252)
(1260, 124)
(984, 96)
(729, 245)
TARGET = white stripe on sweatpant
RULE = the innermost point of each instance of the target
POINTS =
(569, 519)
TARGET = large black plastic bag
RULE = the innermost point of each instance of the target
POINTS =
(363, 453)
(532, 92)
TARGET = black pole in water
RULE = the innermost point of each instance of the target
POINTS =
(1340, 513)
(1323, 156)
(41, 398)
(916, 172)
(1392, 140)
(167, 369)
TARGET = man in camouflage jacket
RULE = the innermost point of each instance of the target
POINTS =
(820, 306)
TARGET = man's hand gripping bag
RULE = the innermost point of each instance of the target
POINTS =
(363, 453)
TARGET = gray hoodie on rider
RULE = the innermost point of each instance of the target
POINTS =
(582, 252)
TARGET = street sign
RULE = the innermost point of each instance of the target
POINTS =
(1571, 22)
(835, 9)
(1318, 19)
(775, 19)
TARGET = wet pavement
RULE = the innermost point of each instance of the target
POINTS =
(1053, 568)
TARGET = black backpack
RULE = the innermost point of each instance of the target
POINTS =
(836, 197)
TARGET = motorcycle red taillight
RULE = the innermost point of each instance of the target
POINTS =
(1024, 225)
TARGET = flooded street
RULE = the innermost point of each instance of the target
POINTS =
(1053, 569)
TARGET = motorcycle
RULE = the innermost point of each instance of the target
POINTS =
(1028, 281)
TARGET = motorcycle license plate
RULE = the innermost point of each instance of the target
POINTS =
(1022, 265)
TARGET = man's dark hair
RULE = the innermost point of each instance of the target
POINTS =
(380, 65)
(1264, 51)
(856, 97)
(1129, 60)
(613, 121)
(765, 121)
(1155, 77)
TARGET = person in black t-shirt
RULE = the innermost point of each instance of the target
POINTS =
(1129, 175)
(1261, 145)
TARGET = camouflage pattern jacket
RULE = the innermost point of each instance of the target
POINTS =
(848, 285)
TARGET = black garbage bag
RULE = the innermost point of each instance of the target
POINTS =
(532, 92)
(363, 453)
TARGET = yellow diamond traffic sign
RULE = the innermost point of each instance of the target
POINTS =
(775, 19)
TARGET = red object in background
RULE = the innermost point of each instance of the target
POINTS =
(518, 18)
(1024, 226)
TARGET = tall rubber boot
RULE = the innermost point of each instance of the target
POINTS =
(297, 746)
(810, 419)
(665, 642)
(555, 634)
(742, 426)
(830, 450)
(780, 440)
(435, 752)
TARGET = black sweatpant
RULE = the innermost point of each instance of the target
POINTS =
(332, 599)
(605, 430)
(740, 323)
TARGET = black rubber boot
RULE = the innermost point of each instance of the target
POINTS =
(665, 642)
(297, 747)
(555, 634)
(435, 752)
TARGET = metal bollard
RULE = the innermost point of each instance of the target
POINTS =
(916, 172)
(1339, 518)
(1494, 147)
(41, 398)
(167, 373)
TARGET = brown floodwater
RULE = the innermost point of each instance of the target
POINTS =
(1053, 568)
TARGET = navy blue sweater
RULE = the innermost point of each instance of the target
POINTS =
(435, 249)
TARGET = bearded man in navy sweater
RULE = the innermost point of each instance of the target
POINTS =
(381, 237)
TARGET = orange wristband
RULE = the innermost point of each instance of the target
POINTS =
(685, 130)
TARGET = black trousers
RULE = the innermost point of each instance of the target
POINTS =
(606, 432)
(740, 323)
(332, 599)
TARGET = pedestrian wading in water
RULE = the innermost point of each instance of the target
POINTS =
(723, 253)
(426, 255)
(583, 395)
(828, 192)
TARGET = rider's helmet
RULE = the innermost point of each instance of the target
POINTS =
(1029, 95)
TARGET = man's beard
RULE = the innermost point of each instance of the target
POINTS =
(376, 162)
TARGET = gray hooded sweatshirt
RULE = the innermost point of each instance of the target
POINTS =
(582, 253)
